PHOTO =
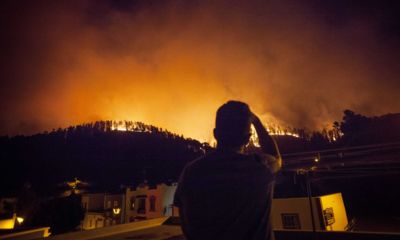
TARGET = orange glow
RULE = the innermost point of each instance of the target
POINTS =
(335, 201)
(8, 223)
(173, 68)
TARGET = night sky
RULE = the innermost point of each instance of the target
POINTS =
(172, 63)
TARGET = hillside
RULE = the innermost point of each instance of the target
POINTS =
(96, 153)
(109, 153)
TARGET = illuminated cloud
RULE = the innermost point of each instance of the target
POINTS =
(172, 63)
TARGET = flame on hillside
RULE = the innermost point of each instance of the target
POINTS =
(282, 133)
(272, 131)
(331, 135)
(128, 126)
(139, 127)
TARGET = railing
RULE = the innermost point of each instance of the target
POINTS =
(367, 160)
(333, 157)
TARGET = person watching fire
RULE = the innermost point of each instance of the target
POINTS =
(227, 194)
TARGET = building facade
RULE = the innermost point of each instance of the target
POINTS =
(328, 213)
(147, 202)
(102, 209)
(140, 203)
(114, 209)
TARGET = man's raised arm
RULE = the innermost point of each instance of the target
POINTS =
(267, 143)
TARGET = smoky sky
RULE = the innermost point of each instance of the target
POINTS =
(172, 63)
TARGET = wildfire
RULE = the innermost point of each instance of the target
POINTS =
(271, 131)
(283, 133)
(137, 127)
(119, 128)
(128, 126)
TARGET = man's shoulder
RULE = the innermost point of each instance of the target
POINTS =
(264, 158)
(200, 161)
(217, 158)
(230, 157)
(268, 161)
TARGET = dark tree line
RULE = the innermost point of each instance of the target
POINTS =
(358, 129)
(96, 153)
(353, 130)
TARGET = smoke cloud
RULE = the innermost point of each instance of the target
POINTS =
(173, 63)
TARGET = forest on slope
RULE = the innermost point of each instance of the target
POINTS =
(108, 157)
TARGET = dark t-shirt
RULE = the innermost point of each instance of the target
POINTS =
(226, 195)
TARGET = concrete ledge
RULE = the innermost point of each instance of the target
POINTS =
(333, 235)
(37, 233)
(111, 230)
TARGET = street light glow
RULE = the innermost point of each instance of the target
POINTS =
(20, 220)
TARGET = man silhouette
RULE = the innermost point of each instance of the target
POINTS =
(227, 194)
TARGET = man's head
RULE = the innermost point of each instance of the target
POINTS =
(232, 125)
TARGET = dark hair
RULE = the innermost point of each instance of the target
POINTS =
(232, 125)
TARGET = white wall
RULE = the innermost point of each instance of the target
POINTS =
(300, 206)
(93, 201)
(335, 201)
(92, 221)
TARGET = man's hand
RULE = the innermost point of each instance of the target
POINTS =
(254, 119)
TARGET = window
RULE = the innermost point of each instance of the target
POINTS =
(116, 211)
(115, 203)
(291, 221)
(108, 204)
(133, 200)
(142, 205)
(152, 200)
(329, 217)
